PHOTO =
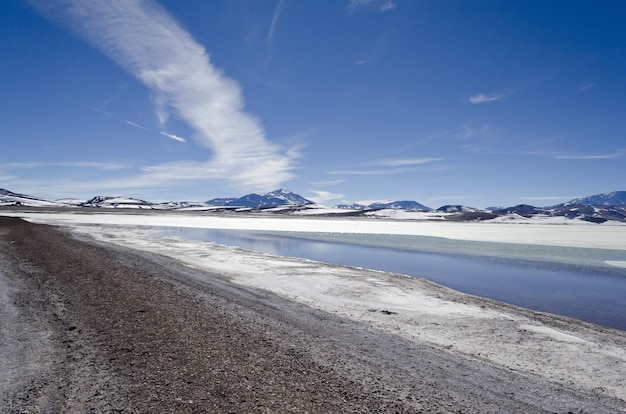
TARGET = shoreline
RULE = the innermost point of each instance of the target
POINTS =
(482, 355)
(533, 342)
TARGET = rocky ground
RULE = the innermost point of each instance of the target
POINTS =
(91, 327)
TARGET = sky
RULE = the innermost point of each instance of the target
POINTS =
(481, 103)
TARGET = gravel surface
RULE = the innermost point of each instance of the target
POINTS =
(92, 327)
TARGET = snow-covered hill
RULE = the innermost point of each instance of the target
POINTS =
(116, 202)
(9, 198)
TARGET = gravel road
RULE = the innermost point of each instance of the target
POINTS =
(92, 327)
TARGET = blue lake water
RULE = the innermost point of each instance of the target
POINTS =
(568, 281)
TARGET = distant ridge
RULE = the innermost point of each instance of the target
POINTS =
(401, 205)
(597, 208)
(615, 198)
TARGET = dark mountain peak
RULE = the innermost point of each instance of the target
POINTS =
(281, 197)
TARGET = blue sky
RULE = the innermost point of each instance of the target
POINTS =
(479, 103)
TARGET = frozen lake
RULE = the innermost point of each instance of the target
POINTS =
(569, 281)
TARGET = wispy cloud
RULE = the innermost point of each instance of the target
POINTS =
(484, 98)
(549, 198)
(76, 164)
(590, 156)
(377, 50)
(322, 196)
(329, 182)
(117, 118)
(21, 165)
(454, 197)
(275, 17)
(382, 171)
(468, 132)
(371, 5)
(402, 162)
(95, 165)
(143, 39)
(389, 166)
(586, 87)
(174, 137)
(131, 123)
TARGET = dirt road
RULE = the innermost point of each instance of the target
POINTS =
(90, 327)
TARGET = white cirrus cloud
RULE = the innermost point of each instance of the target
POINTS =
(370, 171)
(275, 17)
(372, 5)
(483, 98)
(402, 162)
(322, 196)
(586, 87)
(141, 37)
(325, 183)
(114, 165)
(590, 156)
(136, 125)
(174, 137)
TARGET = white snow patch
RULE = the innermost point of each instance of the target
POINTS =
(552, 333)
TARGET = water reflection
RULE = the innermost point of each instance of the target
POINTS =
(567, 281)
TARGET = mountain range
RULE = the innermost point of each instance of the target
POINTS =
(596, 208)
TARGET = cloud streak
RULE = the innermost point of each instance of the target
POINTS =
(372, 5)
(590, 156)
(323, 196)
(275, 17)
(75, 164)
(402, 162)
(484, 98)
(136, 125)
(141, 37)
(174, 137)
(389, 166)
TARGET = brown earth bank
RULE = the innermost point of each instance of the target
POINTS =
(91, 327)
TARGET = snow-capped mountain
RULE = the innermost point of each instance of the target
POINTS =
(614, 198)
(276, 198)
